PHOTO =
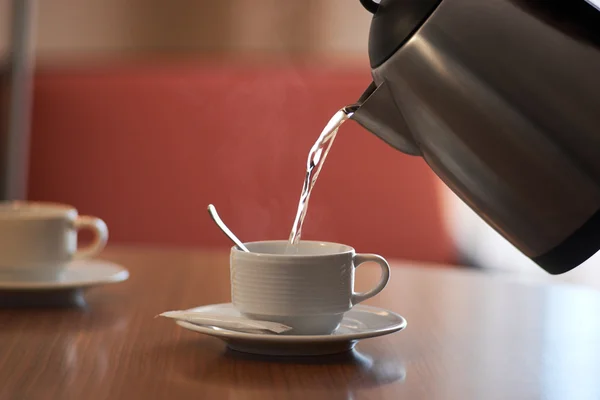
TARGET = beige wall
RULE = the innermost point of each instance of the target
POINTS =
(118, 27)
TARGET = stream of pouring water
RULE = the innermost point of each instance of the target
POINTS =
(316, 159)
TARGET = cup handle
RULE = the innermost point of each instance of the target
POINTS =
(100, 235)
(385, 276)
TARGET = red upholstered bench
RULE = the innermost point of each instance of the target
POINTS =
(148, 146)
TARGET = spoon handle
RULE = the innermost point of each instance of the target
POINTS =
(213, 213)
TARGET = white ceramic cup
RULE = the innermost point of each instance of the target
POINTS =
(38, 240)
(309, 289)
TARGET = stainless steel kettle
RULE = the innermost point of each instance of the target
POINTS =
(502, 100)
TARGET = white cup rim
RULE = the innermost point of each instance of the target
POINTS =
(34, 210)
(344, 249)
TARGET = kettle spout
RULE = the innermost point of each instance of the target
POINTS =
(376, 111)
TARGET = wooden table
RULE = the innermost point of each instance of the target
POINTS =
(470, 336)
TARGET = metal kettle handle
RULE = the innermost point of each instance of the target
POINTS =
(370, 5)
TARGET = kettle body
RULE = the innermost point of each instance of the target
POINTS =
(502, 100)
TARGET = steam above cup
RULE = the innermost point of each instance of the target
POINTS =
(309, 289)
(38, 240)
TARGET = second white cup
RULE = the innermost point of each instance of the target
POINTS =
(309, 288)
(39, 239)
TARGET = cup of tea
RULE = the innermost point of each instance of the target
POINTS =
(38, 239)
(308, 286)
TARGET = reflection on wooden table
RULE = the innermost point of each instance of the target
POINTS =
(470, 336)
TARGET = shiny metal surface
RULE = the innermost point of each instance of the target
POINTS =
(381, 116)
(212, 211)
(505, 107)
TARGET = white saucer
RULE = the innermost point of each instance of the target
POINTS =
(78, 274)
(362, 322)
